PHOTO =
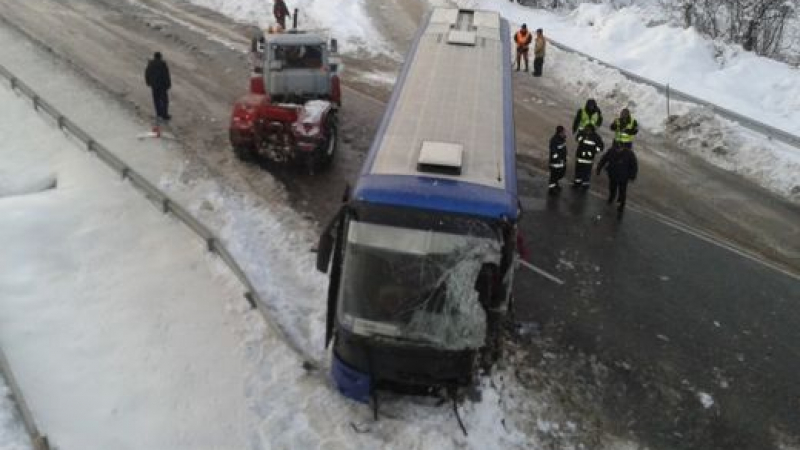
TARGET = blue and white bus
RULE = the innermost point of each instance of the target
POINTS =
(421, 256)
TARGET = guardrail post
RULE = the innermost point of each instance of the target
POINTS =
(211, 244)
(165, 205)
(41, 443)
(90, 145)
(250, 299)
(36, 102)
(667, 101)
(60, 121)
(125, 172)
(13, 83)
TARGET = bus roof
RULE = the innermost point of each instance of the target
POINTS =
(446, 141)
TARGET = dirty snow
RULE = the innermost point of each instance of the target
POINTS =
(705, 399)
(12, 432)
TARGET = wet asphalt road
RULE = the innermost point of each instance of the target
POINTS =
(685, 315)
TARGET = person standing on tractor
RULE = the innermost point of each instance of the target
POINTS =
(625, 128)
(523, 39)
(589, 114)
(538, 53)
(281, 12)
(558, 159)
(156, 75)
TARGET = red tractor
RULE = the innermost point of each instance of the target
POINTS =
(290, 113)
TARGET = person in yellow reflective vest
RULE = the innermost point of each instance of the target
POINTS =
(625, 128)
(589, 114)
(523, 40)
(589, 144)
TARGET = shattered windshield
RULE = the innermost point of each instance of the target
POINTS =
(417, 285)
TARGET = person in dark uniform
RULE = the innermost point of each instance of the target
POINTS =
(589, 144)
(620, 163)
(281, 12)
(589, 114)
(558, 159)
(156, 75)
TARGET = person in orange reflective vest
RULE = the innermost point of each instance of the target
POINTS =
(523, 39)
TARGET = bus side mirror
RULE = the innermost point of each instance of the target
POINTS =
(324, 250)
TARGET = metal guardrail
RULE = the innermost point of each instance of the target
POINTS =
(167, 205)
(669, 92)
(38, 440)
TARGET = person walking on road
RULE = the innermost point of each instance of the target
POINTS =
(625, 128)
(523, 40)
(539, 48)
(589, 144)
(156, 75)
(281, 12)
(558, 159)
(620, 163)
(589, 114)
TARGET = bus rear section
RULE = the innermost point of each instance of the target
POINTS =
(421, 255)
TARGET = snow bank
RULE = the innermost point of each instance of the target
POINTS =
(112, 314)
(345, 19)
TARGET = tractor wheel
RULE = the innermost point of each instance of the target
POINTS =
(243, 153)
(327, 149)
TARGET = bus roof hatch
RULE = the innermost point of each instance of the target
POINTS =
(440, 157)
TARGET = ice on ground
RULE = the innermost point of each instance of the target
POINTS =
(705, 399)
(12, 432)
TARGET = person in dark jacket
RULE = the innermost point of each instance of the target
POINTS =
(281, 12)
(620, 163)
(589, 114)
(539, 50)
(558, 159)
(589, 144)
(157, 78)
(625, 128)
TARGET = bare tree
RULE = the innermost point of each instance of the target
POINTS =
(757, 25)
